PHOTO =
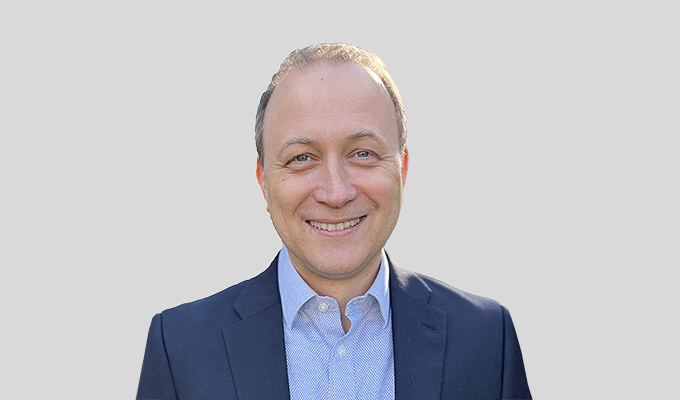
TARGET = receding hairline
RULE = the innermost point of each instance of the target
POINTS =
(301, 70)
(330, 62)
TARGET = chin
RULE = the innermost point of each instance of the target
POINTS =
(340, 267)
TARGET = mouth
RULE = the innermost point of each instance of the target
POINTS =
(333, 227)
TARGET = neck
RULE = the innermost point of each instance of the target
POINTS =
(342, 290)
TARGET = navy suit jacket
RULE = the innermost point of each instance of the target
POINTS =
(448, 344)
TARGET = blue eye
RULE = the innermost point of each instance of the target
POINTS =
(363, 154)
(302, 158)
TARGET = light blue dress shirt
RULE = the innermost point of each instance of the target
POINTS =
(323, 362)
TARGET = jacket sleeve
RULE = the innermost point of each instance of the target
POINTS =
(515, 384)
(156, 381)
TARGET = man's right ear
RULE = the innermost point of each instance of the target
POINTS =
(259, 172)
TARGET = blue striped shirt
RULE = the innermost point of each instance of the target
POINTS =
(323, 362)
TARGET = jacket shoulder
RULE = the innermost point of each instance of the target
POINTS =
(199, 312)
(461, 306)
(443, 294)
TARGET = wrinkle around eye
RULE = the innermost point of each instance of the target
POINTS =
(300, 159)
(300, 162)
(365, 155)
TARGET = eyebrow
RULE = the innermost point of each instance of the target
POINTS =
(297, 141)
(368, 134)
(293, 141)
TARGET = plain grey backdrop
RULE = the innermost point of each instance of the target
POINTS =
(544, 169)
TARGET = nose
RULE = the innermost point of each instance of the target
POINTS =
(335, 187)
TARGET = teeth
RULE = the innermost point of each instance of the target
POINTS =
(335, 227)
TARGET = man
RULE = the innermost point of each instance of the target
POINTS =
(333, 317)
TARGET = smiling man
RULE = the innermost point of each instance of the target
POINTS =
(333, 317)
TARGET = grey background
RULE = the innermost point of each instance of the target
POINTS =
(543, 174)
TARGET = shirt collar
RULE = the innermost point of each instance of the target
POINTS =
(295, 292)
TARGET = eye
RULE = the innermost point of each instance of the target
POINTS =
(302, 162)
(363, 154)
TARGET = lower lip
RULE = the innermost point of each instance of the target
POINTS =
(341, 233)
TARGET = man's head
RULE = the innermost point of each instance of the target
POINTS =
(335, 165)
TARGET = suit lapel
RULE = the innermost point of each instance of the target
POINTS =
(419, 337)
(255, 345)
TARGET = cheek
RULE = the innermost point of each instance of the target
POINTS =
(384, 191)
(386, 179)
(286, 195)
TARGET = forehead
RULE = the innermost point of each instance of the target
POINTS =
(325, 96)
(323, 74)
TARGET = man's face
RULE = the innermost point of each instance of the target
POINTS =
(333, 171)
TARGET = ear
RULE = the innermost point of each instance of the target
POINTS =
(404, 166)
(259, 172)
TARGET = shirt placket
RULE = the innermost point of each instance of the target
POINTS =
(340, 367)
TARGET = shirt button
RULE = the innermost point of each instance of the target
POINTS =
(323, 307)
(341, 350)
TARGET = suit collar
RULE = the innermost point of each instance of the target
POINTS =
(259, 293)
(409, 283)
(418, 335)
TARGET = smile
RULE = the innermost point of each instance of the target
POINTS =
(335, 227)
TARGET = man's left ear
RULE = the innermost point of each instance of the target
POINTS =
(404, 166)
